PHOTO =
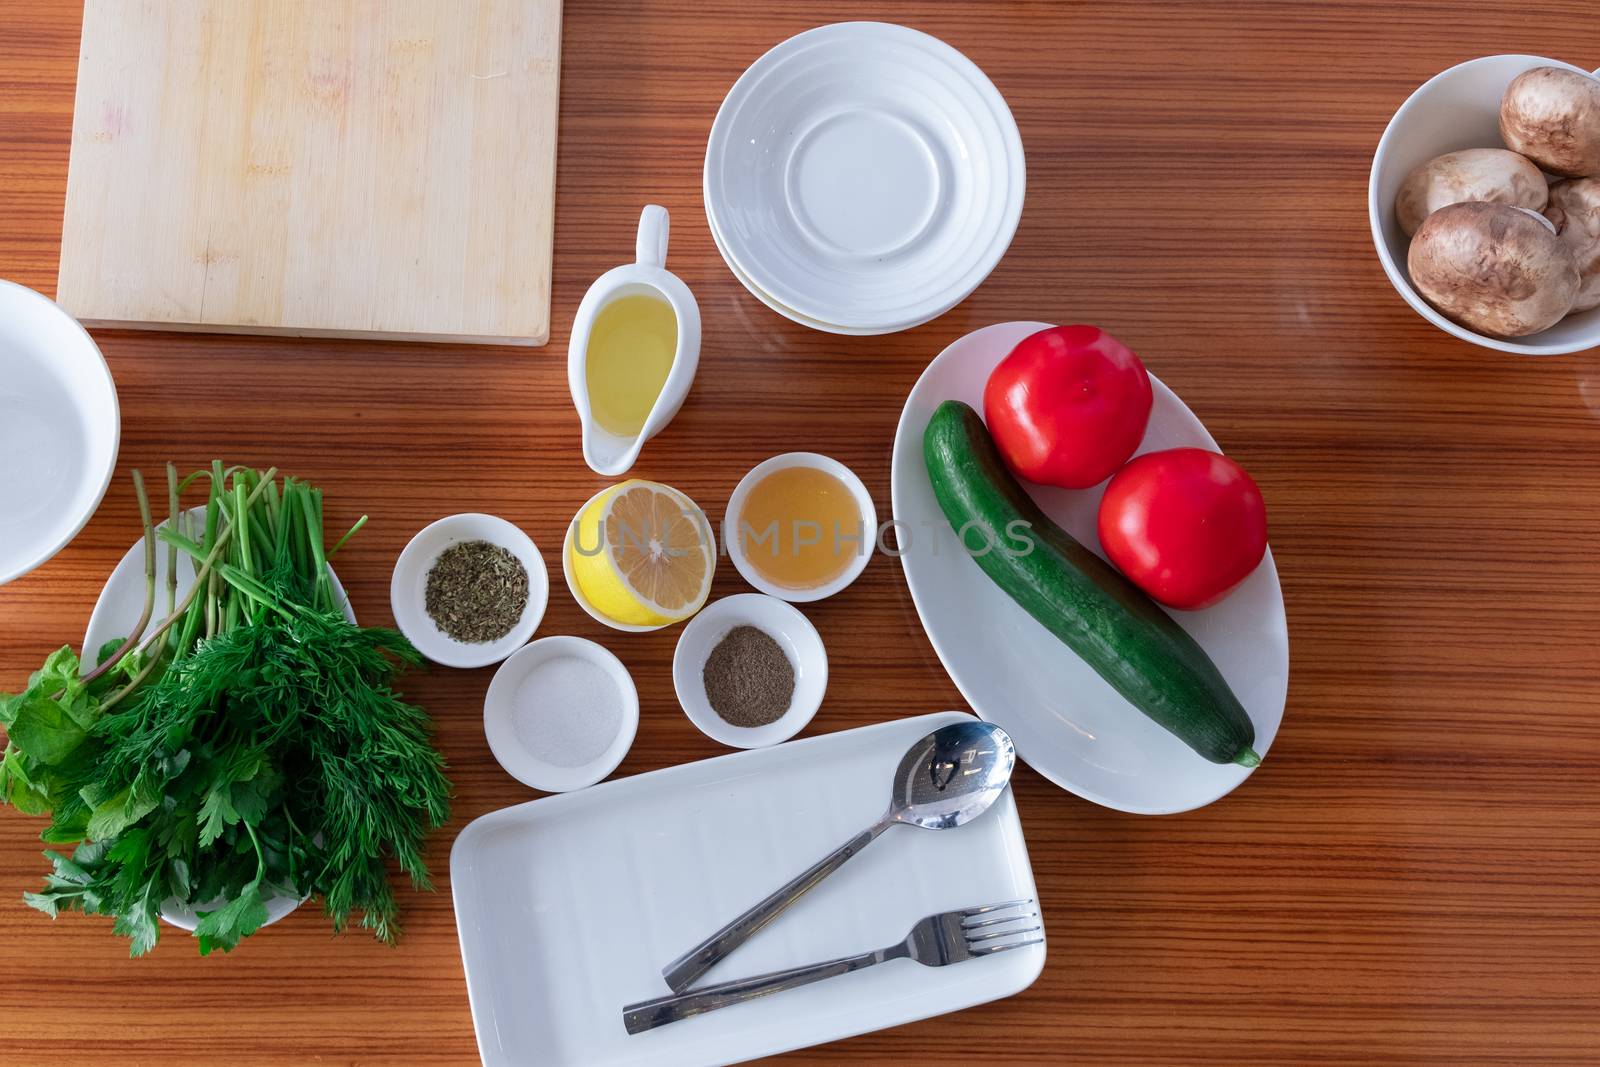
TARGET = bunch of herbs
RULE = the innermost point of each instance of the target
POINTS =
(250, 744)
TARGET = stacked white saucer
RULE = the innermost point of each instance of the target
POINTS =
(863, 178)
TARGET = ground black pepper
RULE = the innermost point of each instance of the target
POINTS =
(476, 591)
(749, 680)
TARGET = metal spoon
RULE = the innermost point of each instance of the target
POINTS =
(946, 779)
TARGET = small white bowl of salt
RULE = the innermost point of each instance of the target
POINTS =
(560, 714)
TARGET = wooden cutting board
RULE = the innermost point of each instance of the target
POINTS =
(349, 168)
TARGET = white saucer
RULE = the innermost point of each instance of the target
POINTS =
(788, 312)
(864, 175)
(59, 427)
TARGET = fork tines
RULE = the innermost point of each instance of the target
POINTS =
(988, 941)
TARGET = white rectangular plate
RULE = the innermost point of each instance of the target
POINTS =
(569, 906)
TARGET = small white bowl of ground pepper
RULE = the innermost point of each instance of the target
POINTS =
(469, 590)
(750, 670)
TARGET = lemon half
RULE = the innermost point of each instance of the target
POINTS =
(643, 554)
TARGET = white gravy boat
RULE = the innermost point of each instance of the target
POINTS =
(608, 453)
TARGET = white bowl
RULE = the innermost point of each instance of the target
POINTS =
(408, 587)
(59, 428)
(735, 543)
(499, 706)
(1457, 109)
(786, 625)
(577, 593)
(865, 175)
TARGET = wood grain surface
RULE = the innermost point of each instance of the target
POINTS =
(1413, 876)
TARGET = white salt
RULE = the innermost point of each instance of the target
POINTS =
(568, 711)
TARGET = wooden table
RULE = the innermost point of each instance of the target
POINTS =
(1413, 875)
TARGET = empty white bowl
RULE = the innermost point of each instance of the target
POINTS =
(864, 175)
(501, 706)
(408, 586)
(59, 429)
(794, 634)
(1457, 109)
(734, 543)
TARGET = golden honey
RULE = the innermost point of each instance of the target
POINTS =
(801, 527)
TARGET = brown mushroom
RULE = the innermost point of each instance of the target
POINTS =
(1552, 116)
(1491, 174)
(1575, 212)
(1494, 268)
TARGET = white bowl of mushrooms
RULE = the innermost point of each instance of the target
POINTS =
(1485, 203)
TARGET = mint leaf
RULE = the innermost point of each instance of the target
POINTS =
(60, 671)
(17, 786)
(43, 729)
(111, 817)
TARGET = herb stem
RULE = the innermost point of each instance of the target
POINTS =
(205, 570)
(133, 683)
(149, 584)
(362, 521)
(172, 550)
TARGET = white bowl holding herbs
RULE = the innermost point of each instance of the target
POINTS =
(480, 567)
(561, 713)
(719, 663)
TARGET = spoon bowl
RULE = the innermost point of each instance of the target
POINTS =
(952, 775)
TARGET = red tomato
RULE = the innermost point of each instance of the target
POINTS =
(1068, 406)
(1185, 525)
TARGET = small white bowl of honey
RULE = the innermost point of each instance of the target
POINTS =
(634, 350)
(800, 526)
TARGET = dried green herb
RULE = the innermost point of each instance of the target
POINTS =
(476, 592)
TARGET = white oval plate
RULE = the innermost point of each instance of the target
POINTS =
(865, 175)
(121, 601)
(1068, 723)
(59, 428)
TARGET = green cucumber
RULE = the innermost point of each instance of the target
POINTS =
(1107, 620)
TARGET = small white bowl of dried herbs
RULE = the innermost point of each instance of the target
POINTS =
(469, 590)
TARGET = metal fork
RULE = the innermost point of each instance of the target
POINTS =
(949, 937)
